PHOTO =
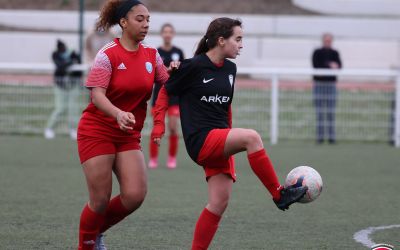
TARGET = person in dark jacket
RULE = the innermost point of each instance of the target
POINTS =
(66, 90)
(325, 92)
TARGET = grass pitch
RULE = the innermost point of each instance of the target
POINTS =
(43, 191)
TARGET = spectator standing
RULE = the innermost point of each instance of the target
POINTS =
(96, 41)
(66, 90)
(324, 91)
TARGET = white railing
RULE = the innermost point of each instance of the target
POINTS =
(274, 75)
(35, 68)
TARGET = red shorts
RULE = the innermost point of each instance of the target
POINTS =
(89, 147)
(212, 156)
(173, 110)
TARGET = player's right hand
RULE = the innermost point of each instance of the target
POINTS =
(125, 120)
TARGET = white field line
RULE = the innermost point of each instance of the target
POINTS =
(362, 236)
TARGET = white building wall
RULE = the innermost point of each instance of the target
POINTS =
(352, 7)
(273, 41)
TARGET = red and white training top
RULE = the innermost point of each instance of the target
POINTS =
(128, 77)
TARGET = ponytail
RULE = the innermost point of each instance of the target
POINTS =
(107, 15)
(202, 47)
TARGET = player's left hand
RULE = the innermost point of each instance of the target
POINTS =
(174, 65)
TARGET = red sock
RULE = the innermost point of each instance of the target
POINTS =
(89, 227)
(153, 150)
(115, 213)
(173, 145)
(206, 227)
(263, 168)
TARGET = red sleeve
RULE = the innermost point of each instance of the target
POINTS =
(230, 116)
(160, 109)
(162, 75)
(100, 72)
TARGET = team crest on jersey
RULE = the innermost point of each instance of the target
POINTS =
(231, 79)
(149, 67)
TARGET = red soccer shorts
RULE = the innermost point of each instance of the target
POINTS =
(212, 156)
(173, 110)
(89, 147)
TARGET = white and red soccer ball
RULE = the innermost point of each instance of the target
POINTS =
(305, 176)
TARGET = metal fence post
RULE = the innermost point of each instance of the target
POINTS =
(274, 109)
(397, 113)
(81, 28)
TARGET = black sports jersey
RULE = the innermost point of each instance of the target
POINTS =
(321, 59)
(175, 54)
(205, 94)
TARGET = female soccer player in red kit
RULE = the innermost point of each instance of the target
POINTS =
(168, 53)
(109, 132)
(205, 87)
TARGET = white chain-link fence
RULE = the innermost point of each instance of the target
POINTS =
(276, 107)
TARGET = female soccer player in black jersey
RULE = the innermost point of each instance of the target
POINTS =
(205, 85)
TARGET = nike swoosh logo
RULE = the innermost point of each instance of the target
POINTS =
(206, 81)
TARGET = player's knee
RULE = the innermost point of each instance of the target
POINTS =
(100, 203)
(218, 208)
(173, 127)
(173, 131)
(133, 199)
(219, 205)
(253, 138)
(223, 204)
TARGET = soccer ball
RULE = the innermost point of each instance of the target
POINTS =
(305, 176)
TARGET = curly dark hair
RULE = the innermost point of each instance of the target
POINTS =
(113, 11)
(107, 17)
